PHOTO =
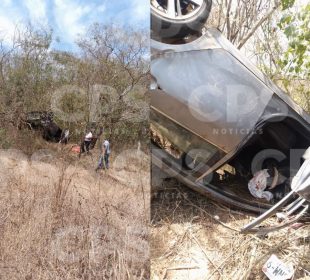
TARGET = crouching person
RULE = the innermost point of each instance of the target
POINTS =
(104, 155)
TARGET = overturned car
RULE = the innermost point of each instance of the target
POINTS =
(44, 121)
(216, 121)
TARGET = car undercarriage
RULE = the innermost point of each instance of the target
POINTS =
(203, 135)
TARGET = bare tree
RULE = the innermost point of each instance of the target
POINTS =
(33, 75)
(239, 19)
(115, 57)
(24, 65)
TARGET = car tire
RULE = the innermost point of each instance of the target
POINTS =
(164, 27)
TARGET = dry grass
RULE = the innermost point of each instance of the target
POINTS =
(195, 238)
(59, 220)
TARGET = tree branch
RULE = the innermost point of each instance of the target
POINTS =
(258, 24)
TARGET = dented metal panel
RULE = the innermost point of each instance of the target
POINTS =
(213, 39)
(210, 93)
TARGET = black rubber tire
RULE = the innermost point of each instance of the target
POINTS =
(165, 28)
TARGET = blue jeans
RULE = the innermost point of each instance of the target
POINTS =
(104, 159)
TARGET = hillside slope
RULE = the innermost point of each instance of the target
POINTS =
(61, 220)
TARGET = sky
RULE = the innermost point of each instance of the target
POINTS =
(69, 18)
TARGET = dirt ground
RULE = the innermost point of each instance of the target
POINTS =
(193, 238)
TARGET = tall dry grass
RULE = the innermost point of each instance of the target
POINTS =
(59, 220)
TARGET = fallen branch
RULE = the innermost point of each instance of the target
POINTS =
(251, 263)
(183, 267)
(223, 263)
(169, 251)
(179, 268)
(211, 216)
(195, 239)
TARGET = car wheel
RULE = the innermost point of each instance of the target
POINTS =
(178, 18)
(194, 159)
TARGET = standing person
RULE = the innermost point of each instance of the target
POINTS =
(106, 150)
(64, 138)
(86, 142)
(104, 156)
